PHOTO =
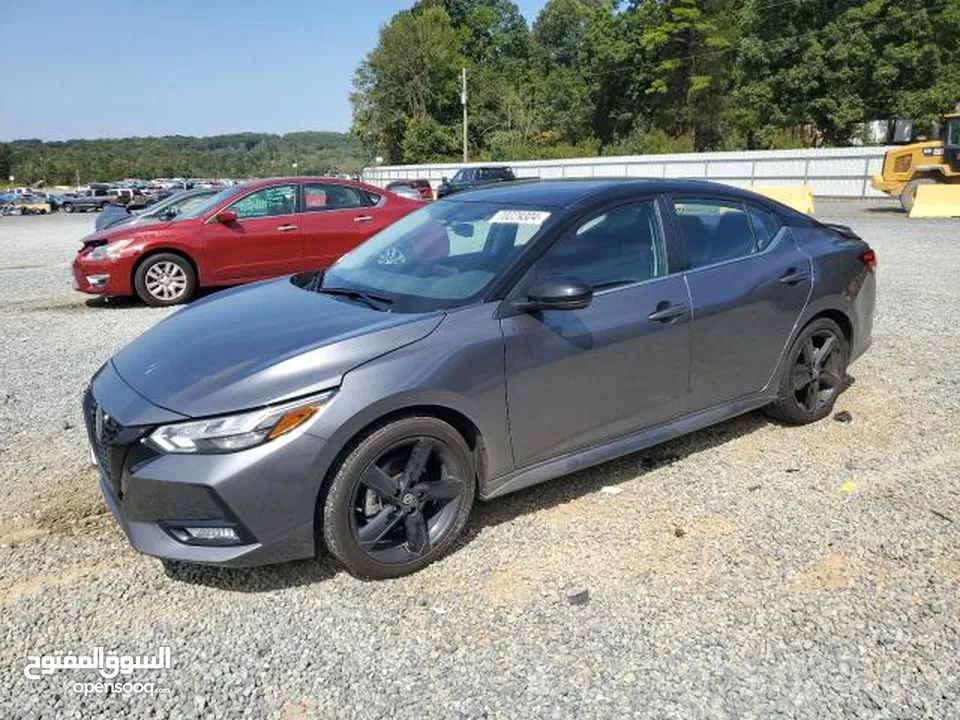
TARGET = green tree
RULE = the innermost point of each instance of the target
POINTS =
(689, 42)
(412, 73)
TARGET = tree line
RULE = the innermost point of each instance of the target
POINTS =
(231, 156)
(607, 77)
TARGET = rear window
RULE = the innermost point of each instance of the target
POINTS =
(714, 230)
(765, 225)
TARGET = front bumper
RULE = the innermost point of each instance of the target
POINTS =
(102, 277)
(268, 492)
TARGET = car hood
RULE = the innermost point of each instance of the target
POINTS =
(259, 344)
(142, 227)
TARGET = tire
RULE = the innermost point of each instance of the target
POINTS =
(909, 192)
(165, 279)
(101, 206)
(807, 395)
(378, 521)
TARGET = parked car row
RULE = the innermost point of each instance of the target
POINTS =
(23, 204)
(132, 195)
(465, 179)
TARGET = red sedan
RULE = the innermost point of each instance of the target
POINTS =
(241, 234)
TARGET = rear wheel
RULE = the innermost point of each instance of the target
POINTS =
(909, 193)
(165, 279)
(813, 374)
(400, 499)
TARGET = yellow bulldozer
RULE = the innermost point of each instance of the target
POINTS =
(932, 161)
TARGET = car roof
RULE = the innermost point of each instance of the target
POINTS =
(266, 182)
(564, 192)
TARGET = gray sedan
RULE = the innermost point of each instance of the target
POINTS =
(485, 343)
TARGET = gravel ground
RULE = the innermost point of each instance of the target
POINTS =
(749, 570)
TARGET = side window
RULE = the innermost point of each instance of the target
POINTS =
(765, 225)
(318, 197)
(620, 246)
(714, 230)
(276, 200)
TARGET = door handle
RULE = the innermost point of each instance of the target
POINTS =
(363, 218)
(793, 277)
(286, 228)
(666, 312)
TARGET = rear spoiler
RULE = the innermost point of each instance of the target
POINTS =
(842, 230)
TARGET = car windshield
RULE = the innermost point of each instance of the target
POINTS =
(178, 204)
(208, 204)
(442, 256)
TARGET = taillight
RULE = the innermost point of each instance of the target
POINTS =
(870, 259)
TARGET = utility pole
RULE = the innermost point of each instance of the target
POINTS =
(463, 101)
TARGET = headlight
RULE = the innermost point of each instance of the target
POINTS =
(236, 432)
(108, 251)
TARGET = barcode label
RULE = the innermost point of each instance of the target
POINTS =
(520, 217)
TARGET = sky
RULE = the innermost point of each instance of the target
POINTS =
(184, 67)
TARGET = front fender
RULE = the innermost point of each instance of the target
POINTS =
(458, 368)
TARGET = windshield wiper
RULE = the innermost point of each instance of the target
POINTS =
(377, 302)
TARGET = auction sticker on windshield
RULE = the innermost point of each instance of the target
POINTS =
(520, 217)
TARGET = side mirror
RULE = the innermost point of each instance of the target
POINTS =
(444, 180)
(557, 294)
(226, 217)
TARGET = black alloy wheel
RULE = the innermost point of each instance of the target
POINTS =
(400, 499)
(814, 374)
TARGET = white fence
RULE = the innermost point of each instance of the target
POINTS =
(834, 172)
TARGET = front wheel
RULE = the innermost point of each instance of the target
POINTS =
(813, 374)
(165, 279)
(400, 499)
(909, 193)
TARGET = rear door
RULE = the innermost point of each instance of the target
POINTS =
(336, 218)
(264, 240)
(748, 283)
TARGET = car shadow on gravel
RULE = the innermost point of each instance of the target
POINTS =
(590, 480)
(485, 514)
(132, 302)
(255, 580)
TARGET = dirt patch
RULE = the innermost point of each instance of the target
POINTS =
(832, 572)
(66, 576)
(75, 507)
(51, 305)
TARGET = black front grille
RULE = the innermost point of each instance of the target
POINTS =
(110, 441)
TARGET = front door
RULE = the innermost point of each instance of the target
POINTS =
(749, 283)
(578, 378)
(263, 241)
